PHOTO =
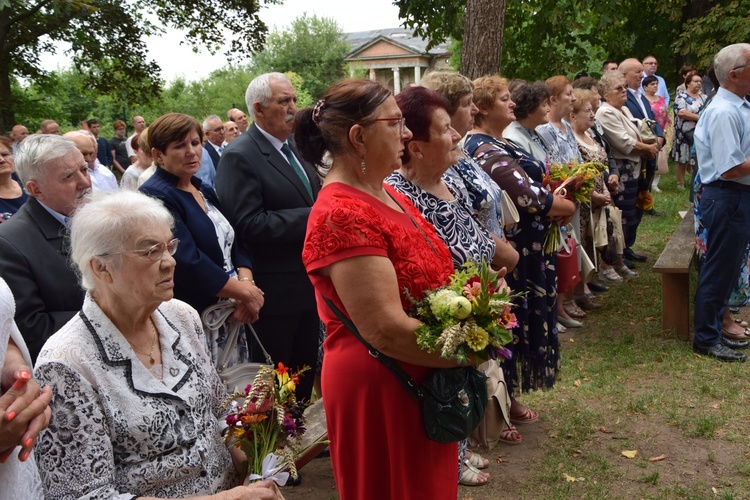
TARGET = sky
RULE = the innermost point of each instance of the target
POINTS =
(179, 60)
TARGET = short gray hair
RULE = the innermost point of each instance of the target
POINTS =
(608, 82)
(206, 126)
(37, 151)
(108, 220)
(729, 58)
(259, 90)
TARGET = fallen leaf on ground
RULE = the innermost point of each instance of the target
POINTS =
(650, 318)
(577, 383)
(586, 379)
(629, 453)
(715, 406)
(572, 479)
(605, 430)
(572, 340)
(657, 459)
(639, 292)
(501, 460)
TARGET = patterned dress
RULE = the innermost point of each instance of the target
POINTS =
(682, 142)
(378, 442)
(589, 152)
(116, 430)
(535, 348)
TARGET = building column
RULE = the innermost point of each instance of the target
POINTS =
(372, 74)
(396, 81)
(417, 74)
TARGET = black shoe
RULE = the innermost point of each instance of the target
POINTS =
(294, 482)
(628, 263)
(634, 256)
(596, 287)
(654, 213)
(735, 344)
(720, 352)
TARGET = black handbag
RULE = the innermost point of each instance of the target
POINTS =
(453, 400)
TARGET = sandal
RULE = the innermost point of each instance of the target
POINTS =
(587, 303)
(510, 435)
(470, 476)
(527, 417)
(477, 460)
(573, 310)
(741, 322)
(610, 275)
(735, 336)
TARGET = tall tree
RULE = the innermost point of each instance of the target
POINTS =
(106, 38)
(482, 50)
(313, 47)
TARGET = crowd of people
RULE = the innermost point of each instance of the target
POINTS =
(121, 296)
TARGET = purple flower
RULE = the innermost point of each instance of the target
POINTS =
(504, 353)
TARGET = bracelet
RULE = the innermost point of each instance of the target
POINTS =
(252, 281)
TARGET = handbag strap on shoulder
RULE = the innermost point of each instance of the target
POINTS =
(412, 387)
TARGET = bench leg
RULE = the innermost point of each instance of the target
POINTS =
(675, 303)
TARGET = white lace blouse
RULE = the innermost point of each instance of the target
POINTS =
(118, 432)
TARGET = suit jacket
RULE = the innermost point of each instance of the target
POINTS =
(199, 274)
(34, 262)
(268, 206)
(636, 111)
(215, 157)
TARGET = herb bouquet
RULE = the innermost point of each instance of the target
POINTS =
(574, 181)
(469, 316)
(268, 424)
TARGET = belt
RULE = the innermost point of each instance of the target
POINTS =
(730, 185)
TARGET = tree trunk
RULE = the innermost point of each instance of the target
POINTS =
(482, 49)
(7, 116)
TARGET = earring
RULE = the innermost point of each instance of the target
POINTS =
(362, 166)
(420, 155)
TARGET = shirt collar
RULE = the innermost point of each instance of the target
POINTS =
(275, 142)
(731, 97)
(62, 219)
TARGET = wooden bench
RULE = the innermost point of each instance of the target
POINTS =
(674, 266)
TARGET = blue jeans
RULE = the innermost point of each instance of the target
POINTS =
(726, 215)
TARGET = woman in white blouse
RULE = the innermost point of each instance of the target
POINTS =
(136, 405)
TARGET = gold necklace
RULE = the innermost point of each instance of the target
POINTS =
(150, 354)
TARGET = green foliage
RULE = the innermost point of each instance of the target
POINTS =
(313, 47)
(108, 40)
(433, 20)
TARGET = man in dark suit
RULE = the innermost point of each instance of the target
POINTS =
(213, 129)
(33, 254)
(640, 108)
(267, 192)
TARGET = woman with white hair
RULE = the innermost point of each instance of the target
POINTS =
(136, 405)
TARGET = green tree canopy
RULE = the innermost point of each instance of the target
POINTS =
(313, 47)
(107, 39)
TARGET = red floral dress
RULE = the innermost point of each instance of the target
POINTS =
(379, 448)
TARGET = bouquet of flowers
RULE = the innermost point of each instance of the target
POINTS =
(268, 424)
(469, 316)
(574, 181)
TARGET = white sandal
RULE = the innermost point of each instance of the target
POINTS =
(470, 476)
(478, 461)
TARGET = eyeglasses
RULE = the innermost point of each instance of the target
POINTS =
(739, 67)
(154, 253)
(650, 63)
(619, 88)
(400, 119)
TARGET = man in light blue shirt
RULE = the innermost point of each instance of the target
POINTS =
(649, 69)
(722, 145)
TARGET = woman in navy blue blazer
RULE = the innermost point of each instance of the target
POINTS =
(211, 265)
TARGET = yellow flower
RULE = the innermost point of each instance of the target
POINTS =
(477, 338)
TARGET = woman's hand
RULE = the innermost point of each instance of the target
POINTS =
(24, 413)
(261, 490)
(251, 302)
(613, 182)
(600, 199)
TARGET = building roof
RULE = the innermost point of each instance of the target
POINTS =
(403, 37)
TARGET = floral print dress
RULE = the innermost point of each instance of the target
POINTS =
(536, 354)
(683, 128)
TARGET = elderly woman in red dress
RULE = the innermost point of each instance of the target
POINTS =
(366, 245)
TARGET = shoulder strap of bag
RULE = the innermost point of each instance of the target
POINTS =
(412, 387)
(226, 308)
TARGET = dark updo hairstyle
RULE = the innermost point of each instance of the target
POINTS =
(648, 81)
(171, 128)
(418, 104)
(325, 127)
(528, 98)
(585, 83)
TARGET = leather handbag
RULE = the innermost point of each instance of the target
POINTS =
(567, 266)
(497, 415)
(509, 210)
(238, 376)
(647, 131)
(453, 400)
